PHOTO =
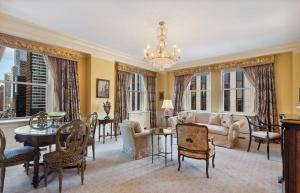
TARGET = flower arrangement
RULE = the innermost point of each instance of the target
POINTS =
(180, 119)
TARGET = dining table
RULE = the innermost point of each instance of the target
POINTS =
(37, 136)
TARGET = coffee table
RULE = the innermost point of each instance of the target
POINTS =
(162, 132)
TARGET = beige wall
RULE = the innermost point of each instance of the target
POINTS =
(101, 69)
(287, 80)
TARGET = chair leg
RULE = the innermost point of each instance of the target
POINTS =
(60, 176)
(93, 148)
(258, 145)
(268, 149)
(179, 162)
(27, 167)
(249, 145)
(46, 173)
(2, 178)
(213, 161)
(78, 168)
(183, 158)
(82, 171)
(207, 166)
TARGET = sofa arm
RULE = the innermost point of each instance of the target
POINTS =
(172, 121)
(234, 132)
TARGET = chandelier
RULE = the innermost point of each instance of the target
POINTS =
(159, 58)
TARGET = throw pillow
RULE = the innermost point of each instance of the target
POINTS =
(226, 121)
(190, 119)
(214, 120)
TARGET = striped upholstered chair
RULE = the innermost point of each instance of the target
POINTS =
(193, 142)
(17, 156)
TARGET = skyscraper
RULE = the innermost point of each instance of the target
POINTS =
(7, 91)
(1, 97)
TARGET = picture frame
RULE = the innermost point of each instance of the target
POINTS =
(102, 88)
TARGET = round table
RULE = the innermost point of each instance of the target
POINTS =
(37, 138)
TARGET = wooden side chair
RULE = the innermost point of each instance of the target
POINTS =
(262, 132)
(91, 123)
(17, 156)
(193, 142)
(69, 152)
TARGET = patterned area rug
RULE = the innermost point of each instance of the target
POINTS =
(236, 171)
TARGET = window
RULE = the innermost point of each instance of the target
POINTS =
(23, 83)
(197, 94)
(237, 92)
(137, 93)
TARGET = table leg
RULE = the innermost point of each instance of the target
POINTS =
(115, 131)
(171, 147)
(103, 133)
(166, 151)
(152, 146)
(99, 131)
(110, 131)
(36, 161)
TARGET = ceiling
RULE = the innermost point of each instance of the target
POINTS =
(202, 29)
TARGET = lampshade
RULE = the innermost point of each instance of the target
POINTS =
(167, 104)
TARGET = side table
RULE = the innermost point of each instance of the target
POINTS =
(162, 132)
(103, 122)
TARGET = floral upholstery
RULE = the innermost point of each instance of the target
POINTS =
(197, 155)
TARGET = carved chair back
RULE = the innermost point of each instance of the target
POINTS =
(76, 141)
(192, 137)
(42, 119)
(91, 123)
(255, 124)
(2, 145)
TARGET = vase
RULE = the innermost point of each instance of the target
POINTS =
(106, 107)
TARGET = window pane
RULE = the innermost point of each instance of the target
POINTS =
(20, 100)
(239, 100)
(193, 100)
(203, 100)
(203, 82)
(226, 79)
(226, 100)
(193, 83)
(239, 79)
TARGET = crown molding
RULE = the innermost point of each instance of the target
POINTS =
(290, 47)
(13, 26)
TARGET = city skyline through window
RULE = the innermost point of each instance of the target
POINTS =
(23, 83)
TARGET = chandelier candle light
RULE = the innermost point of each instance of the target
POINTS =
(160, 59)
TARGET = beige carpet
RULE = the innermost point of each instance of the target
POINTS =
(237, 171)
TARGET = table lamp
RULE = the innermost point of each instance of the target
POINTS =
(167, 105)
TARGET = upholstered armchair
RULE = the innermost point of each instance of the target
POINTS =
(193, 142)
(136, 140)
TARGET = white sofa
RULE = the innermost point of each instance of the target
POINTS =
(224, 130)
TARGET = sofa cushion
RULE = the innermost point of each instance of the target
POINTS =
(190, 119)
(202, 117)
(214, 120)
(135, 125)
(217, 129)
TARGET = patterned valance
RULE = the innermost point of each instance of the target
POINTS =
(33, 46)
(134, 69)
(226, 65)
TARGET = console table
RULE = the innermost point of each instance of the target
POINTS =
(291, 155)
(103, 122)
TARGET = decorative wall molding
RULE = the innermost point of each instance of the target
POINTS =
(232, 64)
(134, 69)
(291, 47)
(19, 28)
(33, 46)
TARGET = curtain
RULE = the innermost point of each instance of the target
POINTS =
(150, 83)
(263, 79)
(122, 96)
(66, 87)
(181, 83)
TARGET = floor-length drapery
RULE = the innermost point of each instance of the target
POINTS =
(181, 83)
(66, 86)
(263, 79)
(122, 95)
(151, 96)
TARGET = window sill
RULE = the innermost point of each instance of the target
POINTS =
(141, 111)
